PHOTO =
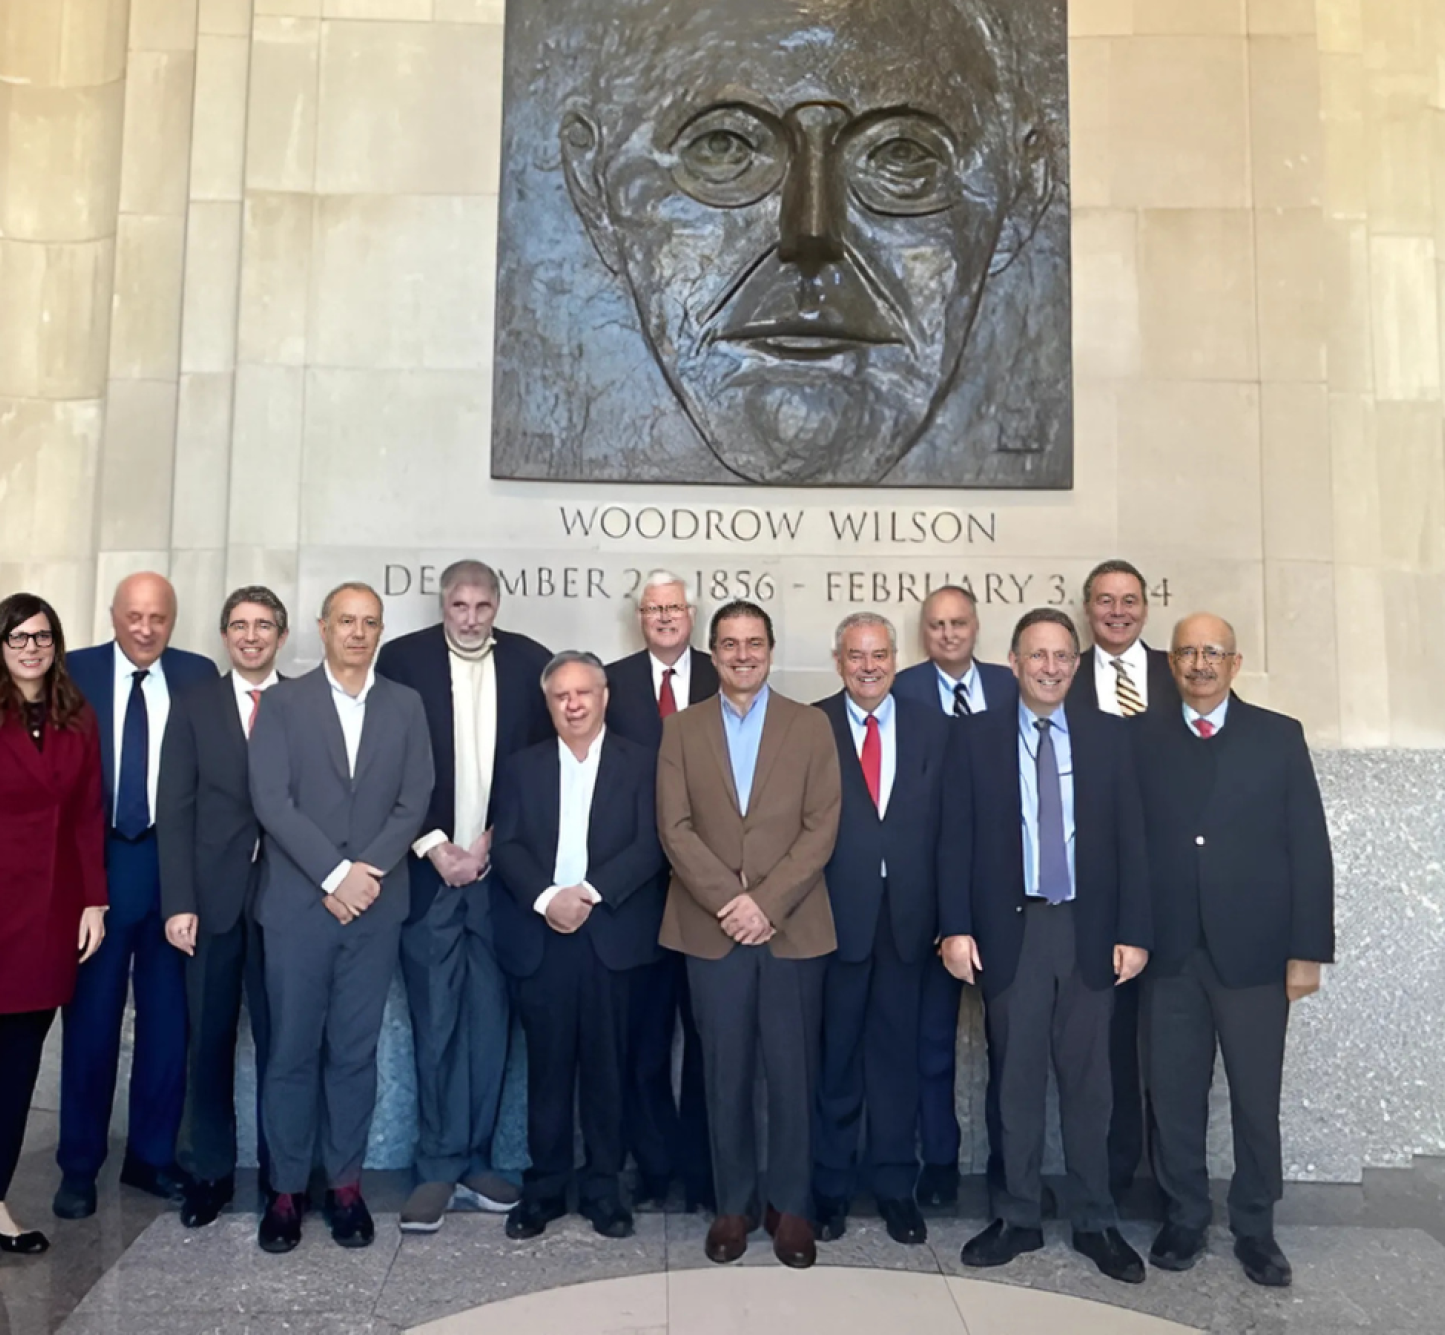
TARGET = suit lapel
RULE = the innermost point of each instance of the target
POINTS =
(104, 706)
(836, 708)
(15, 738)
(331, 726)
(548, 801)
(375, 722)
(770, 746)
(907, 761)
(702, 679)
(231, 717)
(717, 739)
(609, 775)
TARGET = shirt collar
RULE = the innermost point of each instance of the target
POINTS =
(968, 679)
(1135, 658)
(884, 712)
(1059, 720)
(470, 655)
(244, 687)
(761, 698)
(336, 686)
(565, 751)
(124, 667)
(1216, 715)
(679, 668)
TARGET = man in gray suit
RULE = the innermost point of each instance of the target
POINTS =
(341, 773)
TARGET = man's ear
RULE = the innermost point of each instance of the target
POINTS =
(581, 143)
(1035, 177)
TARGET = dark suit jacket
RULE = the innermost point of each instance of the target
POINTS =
(1111, 878)
(920, 683)
(93, 671)
(624, 860)
(316, 814)
(1239, 853)
(923, 847)
(52, 859)
(631, 704)
(1162, 689)
(420, 660)
(205, 825)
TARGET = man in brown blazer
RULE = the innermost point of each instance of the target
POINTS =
(748, 795)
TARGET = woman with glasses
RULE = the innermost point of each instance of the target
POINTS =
(52, 868)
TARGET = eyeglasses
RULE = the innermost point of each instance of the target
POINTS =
(1059, 658)
(1210, 654)
(653, 610)
(18, 639)
(259, 627)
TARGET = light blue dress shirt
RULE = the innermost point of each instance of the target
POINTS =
(972, 689)
(744, 734)
(1029, 793)
(1215, 715)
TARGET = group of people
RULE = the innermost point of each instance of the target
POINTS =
(1129, 861)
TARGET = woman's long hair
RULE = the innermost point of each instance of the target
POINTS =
(63, 701)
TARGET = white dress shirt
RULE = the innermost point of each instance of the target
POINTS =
(1216, 716)
(1106, 677)
(681, 677)
(243, 690)
(158, 708)
(972, 689)
(888, 745)
(351, 711)
(574, 821)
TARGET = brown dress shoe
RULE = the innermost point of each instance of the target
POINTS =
(727, 1239)
(793, 1242)
(770, 1221)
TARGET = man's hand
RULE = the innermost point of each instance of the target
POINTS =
(960, 957)
(569, 909)
(455, 865)
(744, 921)
(92, 932)
(1301, 979)
(358, 890)
(1129, 962)
(338, 910)
(181, 932)
(481, 850)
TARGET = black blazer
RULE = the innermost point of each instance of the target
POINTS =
(631, 704)
(1162, 689)
(205, 826)
(420, 660)
(1239, 853)
(924, 849)
(625, 864)
(1111, 880)
(920, 683)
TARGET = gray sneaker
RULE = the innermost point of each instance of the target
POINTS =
(486, 1191)
(426, 1207)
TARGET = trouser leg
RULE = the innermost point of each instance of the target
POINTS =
(158, 1061)
(22, 1041)
(890, 1066)
(602, 1037)
(839, 1118)
(789, 1017)
(938, 1047)
(215, 975)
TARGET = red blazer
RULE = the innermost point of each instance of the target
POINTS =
(52, 858)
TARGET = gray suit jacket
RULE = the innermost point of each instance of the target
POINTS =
(316, 815)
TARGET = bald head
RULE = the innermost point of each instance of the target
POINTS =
(143, 614)
(1204, 656)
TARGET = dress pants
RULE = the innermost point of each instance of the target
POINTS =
(460, 1019)
(22, 1040)
(747, 1003)
(1184, 1016)
(1045, 1011)
(1126, 1124)
(667, 1135)
(326, 985)
(574, 1016)
(226, 966)
(90, 1049)
(938, 1129)
(870, 1008)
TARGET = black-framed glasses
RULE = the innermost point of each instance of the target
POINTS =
(1211, 654)
(18, 639)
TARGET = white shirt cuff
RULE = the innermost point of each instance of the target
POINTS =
(427, 842)
(336, 877)
(541, 903)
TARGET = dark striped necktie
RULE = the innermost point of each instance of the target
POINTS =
(961, 707)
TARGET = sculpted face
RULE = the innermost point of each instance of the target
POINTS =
(805, 202)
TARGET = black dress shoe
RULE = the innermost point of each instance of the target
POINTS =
(532, 1216)
(652, 1192)
(165, 1184)
(74, 1198)
(904, 1222)
(24, 1244)
(350, 1220)
(280, 1229)
(202, 1202)
(1177, 1248)
(699, 1196)
(999, 1244)
(1263, 1262)
(609, 1218)
(938, 1186)
(831, 1213)
(1114, 1257)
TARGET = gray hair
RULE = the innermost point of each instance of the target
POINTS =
(469, 573)
(351, 586)
(854, 619)
(569, 656)
(656, 579)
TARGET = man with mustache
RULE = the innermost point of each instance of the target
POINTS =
(1243, 890)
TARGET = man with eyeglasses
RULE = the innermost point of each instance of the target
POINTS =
(666, 1136)
(1243, 891)
(210, 844)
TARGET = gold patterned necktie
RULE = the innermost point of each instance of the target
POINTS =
(1127, 694)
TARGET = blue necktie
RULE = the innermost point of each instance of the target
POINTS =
(132, 798)
(1053, 856)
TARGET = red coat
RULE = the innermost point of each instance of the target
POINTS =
(52, 858)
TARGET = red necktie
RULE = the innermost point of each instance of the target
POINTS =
(1204, 727)
(666, 701)
(255, 709)
(872, 758)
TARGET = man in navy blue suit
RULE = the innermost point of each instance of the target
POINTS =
(130, 683)
(583, 883)
(667, 1136)
(954, 682)
(478, 686)
(1057, 914)
(898, 860)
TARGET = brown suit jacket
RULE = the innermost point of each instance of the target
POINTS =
(781, 845)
